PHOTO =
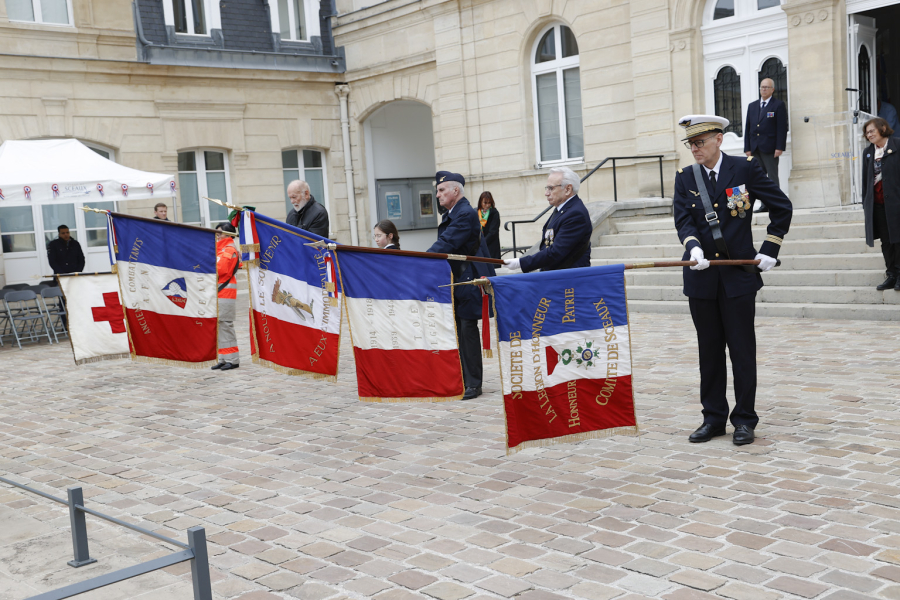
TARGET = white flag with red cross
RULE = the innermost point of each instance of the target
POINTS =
(95, 317)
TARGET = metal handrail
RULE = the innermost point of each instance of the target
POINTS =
(194, 551)
(662, 194)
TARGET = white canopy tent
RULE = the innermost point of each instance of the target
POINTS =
(45, 183)
(29, 170)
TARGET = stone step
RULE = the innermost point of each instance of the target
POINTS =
(775, 277)
(864, 312)
(831, 231)
(800, 217)
(790, 249)
(784, 294)
(830, 262)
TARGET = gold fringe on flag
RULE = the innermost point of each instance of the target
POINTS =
(96, 359)
(489, 353)
(575, 437)
(399, 400)
(329, 286)
(174, 363)
(114, 269)
(249, 247)
(253, 262)
(289, 371)
(333, 302)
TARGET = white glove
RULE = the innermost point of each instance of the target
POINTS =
(765, 262)
(512, 263)
(697, 255)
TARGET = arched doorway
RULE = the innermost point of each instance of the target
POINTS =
(400, 166)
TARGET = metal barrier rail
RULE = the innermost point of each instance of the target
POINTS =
(195, 550)
(662, 194)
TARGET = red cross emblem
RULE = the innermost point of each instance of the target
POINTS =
(110, 311)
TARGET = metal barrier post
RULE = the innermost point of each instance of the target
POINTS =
(615, 187)
(79, 529)
(662, 193)
(200, 563)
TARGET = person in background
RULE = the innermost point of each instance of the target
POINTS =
(64, 254)
(386, 235)
(308, 214)
(765, 135)
(161, 211)
(887, 112)
(881, 196)
(490, 223)
(228, 261)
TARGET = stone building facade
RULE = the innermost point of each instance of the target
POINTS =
(499, 90)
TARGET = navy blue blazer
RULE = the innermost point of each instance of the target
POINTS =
(766, 130)
(572, 231)
(460, 233)
(693, 229)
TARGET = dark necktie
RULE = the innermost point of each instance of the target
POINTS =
(712, 180)
(763, 107)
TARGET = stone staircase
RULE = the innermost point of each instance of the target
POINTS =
(827, 271)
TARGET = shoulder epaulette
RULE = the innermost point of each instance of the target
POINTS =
(749, 158)
(681, 170)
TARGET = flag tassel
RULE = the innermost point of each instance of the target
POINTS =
(486, 351)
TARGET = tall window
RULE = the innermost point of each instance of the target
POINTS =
(556, 83)
(17, 227)
(292, 20)
(309, 166)
(203, 173)
(864, 68)
(727, 91)
(724, 9)
(190, 16)
(54, 12)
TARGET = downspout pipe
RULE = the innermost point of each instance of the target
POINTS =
(343, 91)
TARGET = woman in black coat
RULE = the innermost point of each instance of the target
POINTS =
(490, 223)
(881, 196)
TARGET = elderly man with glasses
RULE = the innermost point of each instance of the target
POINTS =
(765, 132)
(566, 238)
(712, 209)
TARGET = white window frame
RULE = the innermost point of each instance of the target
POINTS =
(202, 184)
(310, 11)
(302, 170)
(38, 16)
(213, 17)
(743, 9)
(559, 65)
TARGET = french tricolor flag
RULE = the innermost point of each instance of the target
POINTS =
(167, 277)
(295, 307)
(402, 327)
(565, 355)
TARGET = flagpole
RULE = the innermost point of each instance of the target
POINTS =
(438, 255)
(172, 223)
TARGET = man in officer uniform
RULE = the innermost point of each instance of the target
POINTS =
(723, 298)
(566, 238)
(460, 233)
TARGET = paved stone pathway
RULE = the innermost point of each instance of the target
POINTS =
(307, 493)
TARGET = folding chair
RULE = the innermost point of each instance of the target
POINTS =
(55, 309)
(22, 307)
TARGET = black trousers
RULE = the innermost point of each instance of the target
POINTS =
(469, 351)
(769, 164)
(727, 322)
(890, 252)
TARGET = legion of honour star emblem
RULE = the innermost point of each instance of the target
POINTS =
(583, 355)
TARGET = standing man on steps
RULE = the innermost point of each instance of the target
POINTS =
(712, 209)
(765, 135)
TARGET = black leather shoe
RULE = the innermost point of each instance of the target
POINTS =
(706, 432)
(228, 366)
(472, 392)
(743, 435)
(897, 287)
(761, 209)
(890, 282)
(217, 366)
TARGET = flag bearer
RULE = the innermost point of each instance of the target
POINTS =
(713, 215)
(227, 263)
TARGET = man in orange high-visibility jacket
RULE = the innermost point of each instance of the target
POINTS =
(227, 263)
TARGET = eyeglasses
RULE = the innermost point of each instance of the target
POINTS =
(767, 87)
(697, 143)
(549, 188)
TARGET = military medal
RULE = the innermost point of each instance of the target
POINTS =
(739, 199)
(733, 213)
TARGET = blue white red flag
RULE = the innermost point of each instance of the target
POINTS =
(167, 277)
(565, 355)
(402, 327)
(295, 302)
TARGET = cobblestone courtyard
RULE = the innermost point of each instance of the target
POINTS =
(307, 493)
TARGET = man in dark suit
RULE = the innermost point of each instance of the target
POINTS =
(765, 132)
(460, 233)
(723, 299)
(566, 238)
